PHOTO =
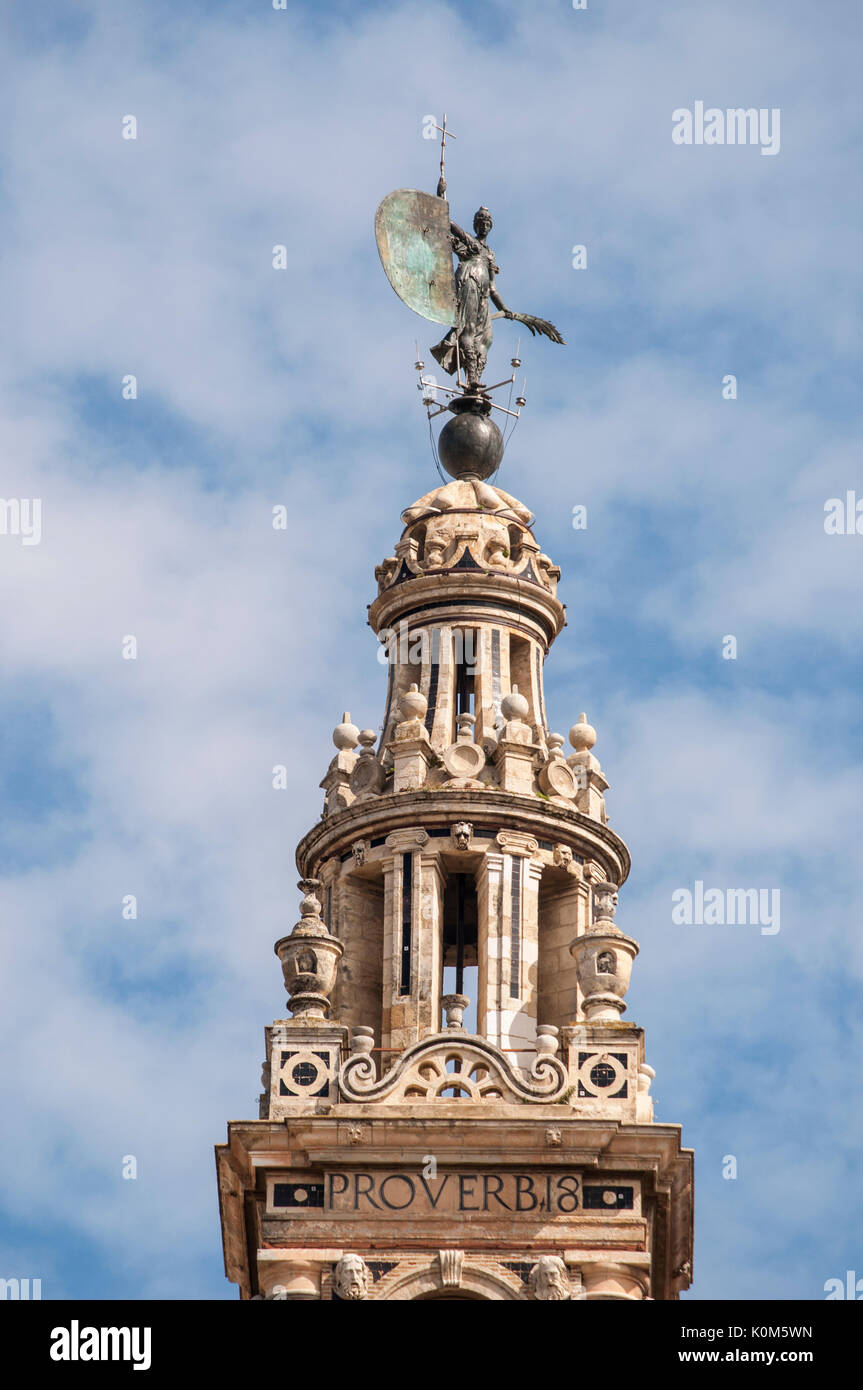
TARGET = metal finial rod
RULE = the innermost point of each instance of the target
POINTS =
(441, 183)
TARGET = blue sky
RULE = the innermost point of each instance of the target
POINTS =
(256, 387)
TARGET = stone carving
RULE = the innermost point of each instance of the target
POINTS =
(562, 859)
(368, 776)
(553, 1138)
(480, 1072)
(471, 494)
(355, 1134)
(517, 842)
(403, 841)
(451, 1264)
(336, 782)
(603, 959)
(464, 758)
(643, 1099)
(359, 849)
(548, 1280)
(386, 572)
(547, 1039)
(310, 957)
(549, 572)
(604, 901)
(555, 778)
(362, 1039)
(610, 1071)
(587, 770)
(351, 1278)
(413, 704)
(462, 833)
(454, 1006)
(435, 554)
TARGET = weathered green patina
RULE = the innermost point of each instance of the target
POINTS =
(413, 235)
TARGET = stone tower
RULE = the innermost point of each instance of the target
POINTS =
(457, 1107)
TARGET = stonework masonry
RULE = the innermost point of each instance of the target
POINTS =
(456, 1107)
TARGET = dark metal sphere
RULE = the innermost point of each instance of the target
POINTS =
(470, 443)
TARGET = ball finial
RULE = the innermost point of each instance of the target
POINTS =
(514, 705)
(582, 735)
(346, 735)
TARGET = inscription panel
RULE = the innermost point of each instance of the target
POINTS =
(475, 1194)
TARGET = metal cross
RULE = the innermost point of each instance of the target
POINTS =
(441, 183)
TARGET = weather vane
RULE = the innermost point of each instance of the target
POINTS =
(416, 240)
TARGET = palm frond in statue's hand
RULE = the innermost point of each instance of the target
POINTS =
(535, 325)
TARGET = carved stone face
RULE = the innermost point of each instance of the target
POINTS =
(462, 832)
(551, 1279)
(351, 1278)
(562, 856)
(359, 853)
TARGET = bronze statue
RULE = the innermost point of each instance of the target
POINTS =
(416, 240)
(469, 341)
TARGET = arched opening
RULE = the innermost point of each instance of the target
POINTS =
(460, 958)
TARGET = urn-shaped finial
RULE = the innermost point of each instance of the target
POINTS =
(310, 957)
(603, 959)
(454, 1006)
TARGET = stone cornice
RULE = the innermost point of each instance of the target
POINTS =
(381, 815)
(460, 587)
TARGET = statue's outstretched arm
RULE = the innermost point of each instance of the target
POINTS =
(530, 321)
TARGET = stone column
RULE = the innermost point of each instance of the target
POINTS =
(429, 942)
(489, 893)
(508, 903)
(401, 1010)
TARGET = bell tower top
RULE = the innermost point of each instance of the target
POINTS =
(457, 1106)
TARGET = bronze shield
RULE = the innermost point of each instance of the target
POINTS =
(412, 232)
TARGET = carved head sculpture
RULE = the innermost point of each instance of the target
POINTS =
(606, 963)
(482, 223)
(462, 832)
(549, 1279)
(562, 856)
(351, 1278)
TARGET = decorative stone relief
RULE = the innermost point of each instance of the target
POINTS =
(548, 1281)
(386, 572)
(463, 1064)
(403, 841)
(464, 758)
(462, 834)
(562, 859)
(368, 776)
(555, 778)
(351, 1278)
(359, 849)
(451, 1265)
(517, 842)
